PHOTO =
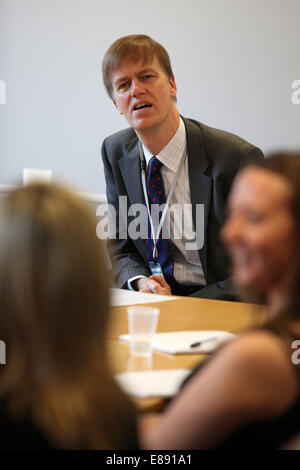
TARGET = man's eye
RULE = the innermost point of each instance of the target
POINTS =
(147, 77)
(123, 86)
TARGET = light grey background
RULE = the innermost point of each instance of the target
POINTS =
(234, 63)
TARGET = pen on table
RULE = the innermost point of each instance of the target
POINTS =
(199, 343)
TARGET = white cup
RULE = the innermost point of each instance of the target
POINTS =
(36, 175)
(142, 322)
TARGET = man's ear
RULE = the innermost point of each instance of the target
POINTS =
(173, 87)
(116, 105)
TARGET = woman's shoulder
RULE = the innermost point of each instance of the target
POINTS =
(263, 346)
(263, 359)
(262, 350)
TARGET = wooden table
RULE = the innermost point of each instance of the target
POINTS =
(184, 313)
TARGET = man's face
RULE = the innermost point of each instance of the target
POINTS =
(143, 93)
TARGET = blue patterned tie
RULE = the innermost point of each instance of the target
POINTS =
(156, 195)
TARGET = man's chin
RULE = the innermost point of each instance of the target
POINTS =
(140, 127)
(142, 124)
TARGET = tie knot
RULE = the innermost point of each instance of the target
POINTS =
(154, 165)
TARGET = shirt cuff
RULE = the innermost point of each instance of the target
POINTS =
(133, 279)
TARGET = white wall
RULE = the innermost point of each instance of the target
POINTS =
(234, 61)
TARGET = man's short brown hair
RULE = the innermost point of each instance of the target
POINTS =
(133, 47)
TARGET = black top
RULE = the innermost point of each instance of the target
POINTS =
(264, 434)
(23, 434)
(20, 433)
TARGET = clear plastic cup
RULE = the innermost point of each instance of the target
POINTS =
(142, 322)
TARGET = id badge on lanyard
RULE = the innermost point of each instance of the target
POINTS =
(155, 268)
(154, 265)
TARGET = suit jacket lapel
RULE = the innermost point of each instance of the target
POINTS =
(200, 184)
(129, 165)
(130, 168)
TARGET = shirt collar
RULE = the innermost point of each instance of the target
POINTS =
(171, 154)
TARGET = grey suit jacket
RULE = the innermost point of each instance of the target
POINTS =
(214, 157)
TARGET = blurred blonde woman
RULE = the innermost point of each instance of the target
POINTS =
(56, 390)
(247, 395)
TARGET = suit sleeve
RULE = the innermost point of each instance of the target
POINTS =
(126, 260)
(223, 290)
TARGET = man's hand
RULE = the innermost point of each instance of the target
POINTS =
(153, 285)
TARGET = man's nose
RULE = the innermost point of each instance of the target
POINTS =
(136, 87)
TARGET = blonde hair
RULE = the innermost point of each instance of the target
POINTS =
(53, 317)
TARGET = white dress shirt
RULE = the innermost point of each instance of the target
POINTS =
(187, 265)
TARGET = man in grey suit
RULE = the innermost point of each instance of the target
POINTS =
(138, 77)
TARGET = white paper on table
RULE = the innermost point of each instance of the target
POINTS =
(121, 297)
(152, 383)
(179, 342)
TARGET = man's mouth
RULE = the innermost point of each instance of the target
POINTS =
(142, 106)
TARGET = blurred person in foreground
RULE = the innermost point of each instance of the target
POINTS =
(56, 390)
(248, 393)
